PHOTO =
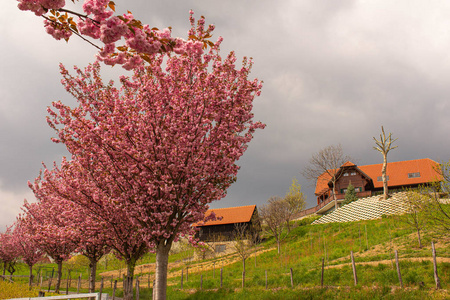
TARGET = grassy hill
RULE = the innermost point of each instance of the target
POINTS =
(373, 243)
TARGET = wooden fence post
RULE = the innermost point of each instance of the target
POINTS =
(154, 290)
(79, 284)
(398, 269)
(114, 290)
(323, 270)
(101, 287)
(221, 277)
(201, 281)
(182, 278)
(292, 278)
(266, 278)
(360, 245)
(137, 288)
(367, 241)
(50, 280)
(354, 268)
(436, 277)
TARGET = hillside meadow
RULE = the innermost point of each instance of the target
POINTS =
(372, 242)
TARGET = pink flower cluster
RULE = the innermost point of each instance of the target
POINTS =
(112, 30)
(56, 31)
(97, 21)
(40, 7)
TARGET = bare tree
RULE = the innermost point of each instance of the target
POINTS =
(325, 165)
(415, 217)
(384, 145)
(274, 216)
(243, 242)
(295, 201)
(439, 210)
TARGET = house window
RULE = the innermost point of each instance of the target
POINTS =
(358, 189)
(353, 173)
(345, 174)
(414, 175)
(220, 248)
(380, 178)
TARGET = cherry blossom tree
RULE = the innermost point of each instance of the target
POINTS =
(100, 223)
(48, 223)
(93, 245)
(161, 147)
(8, 250)
(137, 42)
(27, 247)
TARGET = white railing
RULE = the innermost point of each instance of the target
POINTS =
(72, 296)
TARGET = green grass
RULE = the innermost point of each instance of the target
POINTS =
(303, 250)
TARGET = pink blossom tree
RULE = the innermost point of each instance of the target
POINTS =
(164, 145)
(96, 20)
(93, 245)
(48, 222)
(28, 249)
(8, 250)
(100, 223)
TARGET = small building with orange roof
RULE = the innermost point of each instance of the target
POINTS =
(227, 219)
(367, 179)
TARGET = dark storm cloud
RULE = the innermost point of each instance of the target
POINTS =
(333, 72)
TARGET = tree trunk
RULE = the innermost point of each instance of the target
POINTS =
(278, 245)
(288, 226)
(93, 269)
(59, 275)
(128, 283)
(383, 176)
(418, 236)
(243, 265)
(30, 280)
(162, 262)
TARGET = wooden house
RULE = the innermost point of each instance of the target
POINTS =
(227, 219)
(367, 180)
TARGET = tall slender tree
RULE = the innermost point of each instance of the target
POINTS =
(384, 145)
(164, 145)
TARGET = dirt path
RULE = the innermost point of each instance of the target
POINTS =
(388, 261)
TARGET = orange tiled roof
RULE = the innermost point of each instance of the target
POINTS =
(230, 215)
(397, 172)
(348, 164)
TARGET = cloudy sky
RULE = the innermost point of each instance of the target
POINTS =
(334, 71)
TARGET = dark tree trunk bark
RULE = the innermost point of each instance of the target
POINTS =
(128, 283)
(59, 275)
(93, 272)
(30, 280)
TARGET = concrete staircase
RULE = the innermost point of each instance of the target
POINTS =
(366, 209)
